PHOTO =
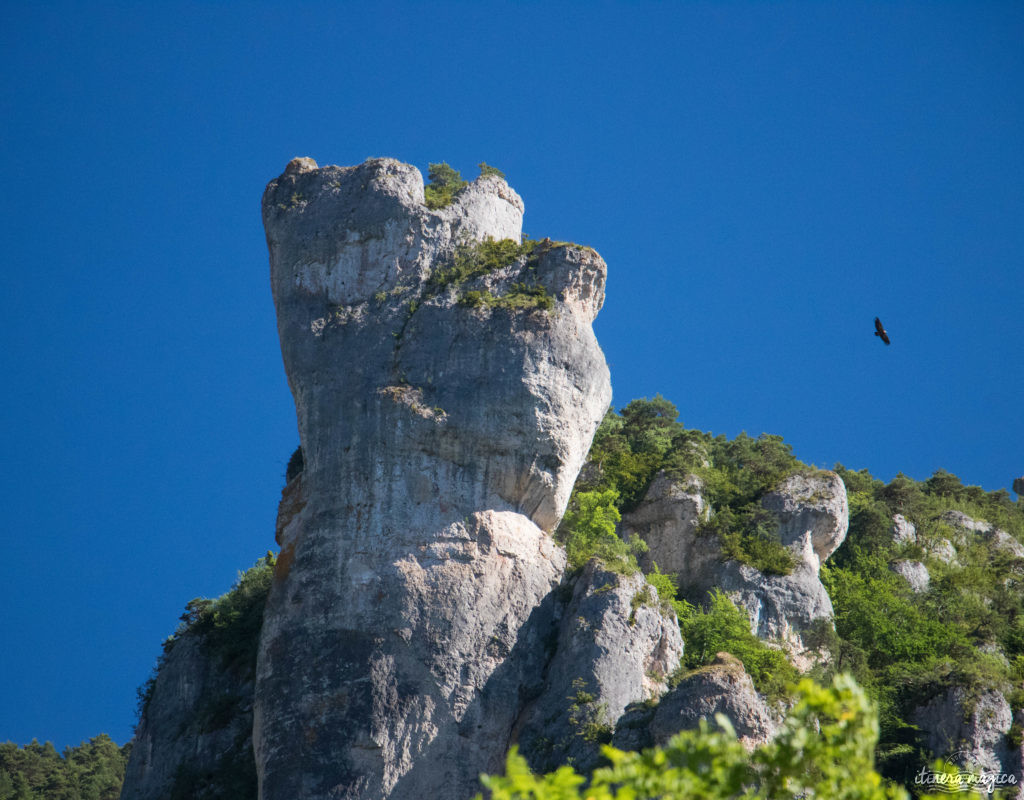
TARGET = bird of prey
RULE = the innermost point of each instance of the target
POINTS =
(880, 331)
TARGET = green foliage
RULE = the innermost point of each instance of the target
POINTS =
(724, 627)
(588, 531)
(588, 718)
(487, 169)
(229, 626)
(630, 448)
(444, 183)
(666, 585)
(93, 770)
(520, 296)
(473, 259)
(750, 535)
(907, 647)
(825, 749)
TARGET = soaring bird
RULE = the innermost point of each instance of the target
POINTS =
(880, 331)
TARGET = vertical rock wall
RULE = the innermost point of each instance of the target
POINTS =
(407, 622)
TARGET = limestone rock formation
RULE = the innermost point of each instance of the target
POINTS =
(813, 514)
(616, 645)
(813, 519)
(966, 526)
(412, 608)
(969, 730)
(197, 723)
(667, 520)
(913, 572)
(903, 530)
(722, 687)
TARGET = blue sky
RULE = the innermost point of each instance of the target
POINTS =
(763, 179)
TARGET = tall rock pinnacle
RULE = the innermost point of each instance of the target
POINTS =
(444, 412)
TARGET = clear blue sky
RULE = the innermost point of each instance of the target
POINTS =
(763, 179)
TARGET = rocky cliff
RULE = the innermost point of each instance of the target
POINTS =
(442, 430)
(811, 509)
(421, 618)
(194, 740)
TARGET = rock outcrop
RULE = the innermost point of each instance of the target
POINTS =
(617, 645)
(969, 729)
(813, 519)
(722, 687)
(913, 572)
(903, 530)
(667, 520)
(412, 610)
(195, 729)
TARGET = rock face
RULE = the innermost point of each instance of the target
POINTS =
(903, 530)
(197, 724)
(722, 687)
(969, 731)
(813, 519)
(966, 526)
(913, 572)
(616, 645)
(667, 520)
(412, 608)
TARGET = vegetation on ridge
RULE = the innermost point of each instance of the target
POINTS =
(632, 446)
(229, 626)
(965, 629)
(474, 259)
(444, 184)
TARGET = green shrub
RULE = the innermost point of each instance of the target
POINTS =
(487, 169)
(230, 625)
(824, 749)
(474, 259)
(724, 627)
(666, 588)
(588, 531)
(444, 183)
(750, 535)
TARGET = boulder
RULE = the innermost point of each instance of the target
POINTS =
(913, 572)
(903, 531)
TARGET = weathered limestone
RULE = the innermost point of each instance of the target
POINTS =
(198, 723)
(413, 597)
(813, 519)
(616, 645)
(722, 687)
(903, 530)
(913, 572)
(667, 520)
(970, 730)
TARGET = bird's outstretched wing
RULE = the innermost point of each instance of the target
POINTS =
(880, 331)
